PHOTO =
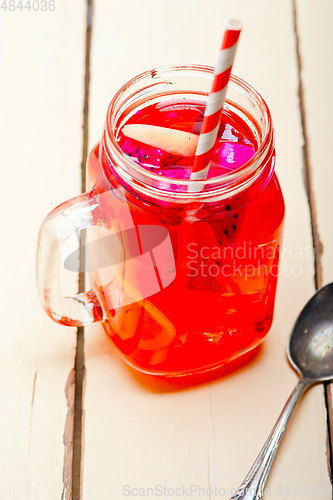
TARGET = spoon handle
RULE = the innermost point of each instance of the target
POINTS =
(253, 485)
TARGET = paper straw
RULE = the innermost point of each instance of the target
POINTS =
(214, 107)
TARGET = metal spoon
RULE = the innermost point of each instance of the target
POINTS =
(310, 352)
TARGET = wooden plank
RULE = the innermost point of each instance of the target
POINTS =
(42, 60)
(314, 25)
(316, 51)
(207, 435)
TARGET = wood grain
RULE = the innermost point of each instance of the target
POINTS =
(68, 437)
(139, 433)
(41, 98)
(314, 25)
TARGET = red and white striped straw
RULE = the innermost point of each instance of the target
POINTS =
(214, 107)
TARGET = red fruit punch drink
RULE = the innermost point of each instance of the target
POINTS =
(226, 238)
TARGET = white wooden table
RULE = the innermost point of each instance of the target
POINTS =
(57, 78)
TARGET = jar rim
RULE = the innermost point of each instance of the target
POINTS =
(222, 186)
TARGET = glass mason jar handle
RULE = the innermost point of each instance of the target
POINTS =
(65, 220)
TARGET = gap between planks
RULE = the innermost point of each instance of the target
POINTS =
(317, 244)
(78, 441)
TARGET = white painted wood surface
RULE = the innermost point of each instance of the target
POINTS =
(208, 435)
(41, 100)
(135, 435)
(315, 27)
